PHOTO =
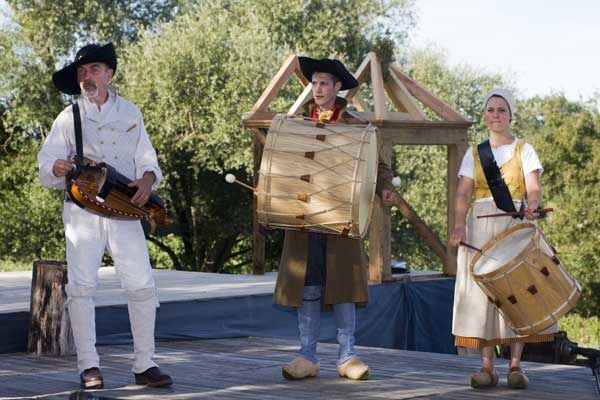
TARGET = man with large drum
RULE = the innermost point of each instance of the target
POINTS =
(319, 270)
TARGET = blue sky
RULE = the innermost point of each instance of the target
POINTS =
(544, 46)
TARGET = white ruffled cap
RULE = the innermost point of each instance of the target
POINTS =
(396, 181)
(505, 94)
(230, 178)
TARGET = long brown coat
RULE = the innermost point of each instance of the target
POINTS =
(346, 261)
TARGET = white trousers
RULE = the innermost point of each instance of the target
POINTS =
(87, 236)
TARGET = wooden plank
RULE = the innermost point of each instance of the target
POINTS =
(258, 234)
(395, 116)
(280, 79)
(218, 369)
(395, 100)
(452, 156)
(394, 120)
(360, 75)
(359, 102)
(380, 232)
(397, 90)
(260, 119)
(414, 135)
(378, 90)
(438, 106)
(303, 81)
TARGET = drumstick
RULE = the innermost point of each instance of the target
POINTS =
(230, 178)
(468, 246)
(541, 211)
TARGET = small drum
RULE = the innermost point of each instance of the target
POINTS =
(318, 177)
(522, 275)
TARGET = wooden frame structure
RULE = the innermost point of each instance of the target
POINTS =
(407, 125)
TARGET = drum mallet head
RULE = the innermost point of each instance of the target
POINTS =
(396, 181)
(230, 178)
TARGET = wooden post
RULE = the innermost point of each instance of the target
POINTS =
(455, 154)
(380, 252)
(49, 329)
(380, 231)
(258, 236)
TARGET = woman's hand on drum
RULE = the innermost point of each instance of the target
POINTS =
(459, 234)
(531, 213)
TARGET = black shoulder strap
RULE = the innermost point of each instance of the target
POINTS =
(78, 135)
(498, 187)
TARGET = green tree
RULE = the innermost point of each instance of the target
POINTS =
(195, 77)
(36, 37)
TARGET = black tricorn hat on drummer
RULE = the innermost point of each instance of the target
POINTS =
(65, 79)
(334, 67)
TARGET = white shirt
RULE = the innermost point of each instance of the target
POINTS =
(113, 134)
(529, 160)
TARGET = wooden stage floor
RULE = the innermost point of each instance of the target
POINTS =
(250, 368)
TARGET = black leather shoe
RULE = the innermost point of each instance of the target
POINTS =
(153, 377)
(91, 378)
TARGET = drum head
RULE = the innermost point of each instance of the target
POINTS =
(503, 250)
(367, 187)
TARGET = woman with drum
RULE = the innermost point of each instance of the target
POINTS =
(477, 322)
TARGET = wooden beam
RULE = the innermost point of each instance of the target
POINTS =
(405, 133)
(280, 79)
(396, 89)
(365, 67)
(378, 90)
(258, 119)
(360, 104)
(429, 237)
(397, 131)
(306, 93)
(451, 252)
(260, 135)
(303, 81)
(380, 231)
(258, 234)
(438, 106)
(394, 116)
(397, 103)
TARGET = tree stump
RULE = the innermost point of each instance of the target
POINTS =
(50, 328)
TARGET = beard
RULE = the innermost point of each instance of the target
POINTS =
(90, 90)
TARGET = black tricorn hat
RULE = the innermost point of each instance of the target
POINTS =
(65, 79)
(334, 67)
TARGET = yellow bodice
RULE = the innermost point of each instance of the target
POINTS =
(512, 172)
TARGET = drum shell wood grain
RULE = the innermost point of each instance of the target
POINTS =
(318, 177)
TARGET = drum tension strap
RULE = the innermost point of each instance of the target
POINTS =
(493, 176)
(78, 136)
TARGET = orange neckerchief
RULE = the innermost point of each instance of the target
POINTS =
(324, 115)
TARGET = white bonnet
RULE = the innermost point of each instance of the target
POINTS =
(505, 94)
